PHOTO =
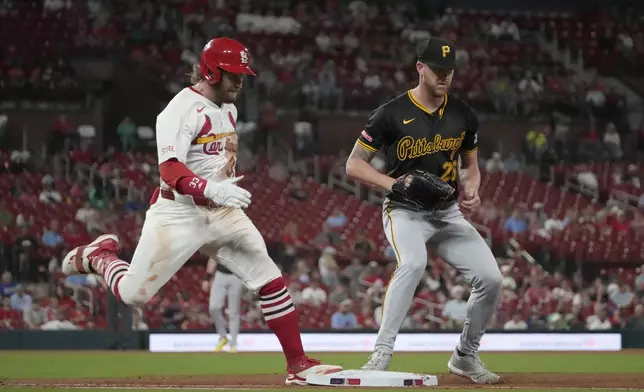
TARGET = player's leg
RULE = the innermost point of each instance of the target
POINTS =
(236, 288)
(239, 246)
(170, 235)
(461, 245)
(407, 233)
(216, 303)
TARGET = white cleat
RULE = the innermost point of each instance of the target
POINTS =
(298, 372)
(379, 360)
(471, 366)
(78, 261)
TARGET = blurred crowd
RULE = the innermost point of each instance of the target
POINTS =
(351, 55)
(330, 56)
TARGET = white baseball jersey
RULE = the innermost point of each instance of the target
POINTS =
(200, 134)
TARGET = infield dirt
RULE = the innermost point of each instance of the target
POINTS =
(512, 380)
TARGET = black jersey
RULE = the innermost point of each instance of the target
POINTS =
(415, 139)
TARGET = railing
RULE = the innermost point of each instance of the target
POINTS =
(625, 200)
(584, 190)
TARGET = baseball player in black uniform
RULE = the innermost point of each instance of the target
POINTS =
(423, 132)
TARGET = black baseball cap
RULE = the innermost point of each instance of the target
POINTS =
(437, 53)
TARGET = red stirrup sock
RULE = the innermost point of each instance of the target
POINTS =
(281, 317)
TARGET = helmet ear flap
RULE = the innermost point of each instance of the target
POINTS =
(214, 75)
(210, 75)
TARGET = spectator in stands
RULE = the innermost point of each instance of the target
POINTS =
(89, 216)
(278, 171)
(516, 223)
(639, 282)
(296, 188)
(537, 217)
(455, 310)
(632, 176)
(336, 220)
(623, 296)
(20, 300)
(598, 321)
(344, 318)
(82, 155)
(35, 316)
(291, 243)
(127, 133)
(612, 142)
(536, 321)
(20, 161)
(329, 92)
(58, 323)
(556, 322)
(49, 195)
(596, 98)
(636, 321)
(7, 314)
(338, 294)
(327, 237)
(295, 290)
(512, 163)
(51, 237)
(6, 217)
(536, 142)
(302, 272)
(7, 285)
(24, 248)
(516, 323)
(172, 316)
(363, 247)
(495, 164)
(366, 319)
(508, 280)
(314, 294)
(328, 267)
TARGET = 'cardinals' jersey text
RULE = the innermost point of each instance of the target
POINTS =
(200, 134)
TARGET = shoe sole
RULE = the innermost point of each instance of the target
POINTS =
(294, 379)
(453, 369)
(73, 270)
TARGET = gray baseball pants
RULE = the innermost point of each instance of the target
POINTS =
(456, 241)
(231, 287)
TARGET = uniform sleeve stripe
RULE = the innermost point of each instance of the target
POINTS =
(471, 151)
(365, 145)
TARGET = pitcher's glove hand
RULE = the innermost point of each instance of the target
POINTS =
(422, 189)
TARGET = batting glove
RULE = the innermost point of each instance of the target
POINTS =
(226, 193)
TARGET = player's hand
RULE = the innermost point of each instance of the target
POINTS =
(471, 200)
(226, 193)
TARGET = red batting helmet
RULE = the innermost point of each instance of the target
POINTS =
(224, 53)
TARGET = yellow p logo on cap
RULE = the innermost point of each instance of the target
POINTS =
(446, 49)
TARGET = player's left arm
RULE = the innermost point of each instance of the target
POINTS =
(470, 175)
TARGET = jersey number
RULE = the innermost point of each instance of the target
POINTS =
(450, 167)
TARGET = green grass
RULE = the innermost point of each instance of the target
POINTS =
(17, 365)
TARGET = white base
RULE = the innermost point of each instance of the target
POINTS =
(373, 378)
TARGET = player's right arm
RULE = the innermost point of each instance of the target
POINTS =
(174, 136)
(365, 148)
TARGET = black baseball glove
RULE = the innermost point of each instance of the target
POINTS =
(421, 189)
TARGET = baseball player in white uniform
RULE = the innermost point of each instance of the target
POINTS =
(225, 286)
(199, 207)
